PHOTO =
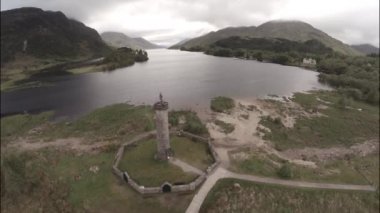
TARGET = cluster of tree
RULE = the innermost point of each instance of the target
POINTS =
(141, 55)
(275, 50)
(355, 76)
(286, 58)
(193, 49)
(273, 44)
(123, 57)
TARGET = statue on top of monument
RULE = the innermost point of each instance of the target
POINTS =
(161, 98)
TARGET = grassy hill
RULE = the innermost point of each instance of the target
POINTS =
(291, 30)
(117, 39)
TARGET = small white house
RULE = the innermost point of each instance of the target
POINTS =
(309, 61)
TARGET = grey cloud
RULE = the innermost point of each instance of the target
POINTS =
(360, 26)
(355, 27)
(82, 10)
(223, 13)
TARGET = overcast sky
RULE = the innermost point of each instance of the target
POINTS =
(169, 21)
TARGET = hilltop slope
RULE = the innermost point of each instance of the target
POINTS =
(47, 34)
(291, 30)
(212, 37)
(366, 48)
(117, 39)
(301, 31)
(145, 44)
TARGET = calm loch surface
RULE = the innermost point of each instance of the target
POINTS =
(188, 80)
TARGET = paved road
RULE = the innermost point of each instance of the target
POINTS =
(198, 199)
(221, 173)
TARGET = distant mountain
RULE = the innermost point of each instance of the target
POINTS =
(117, 39)
(178, 45)
(366, 48)
(212, 37)
(46, 34)
(145, 44)
(291, 30)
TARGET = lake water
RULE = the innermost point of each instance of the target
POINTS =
(188, 80)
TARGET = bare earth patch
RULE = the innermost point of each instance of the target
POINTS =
(74, 144)
(246, 117)
(361, 149)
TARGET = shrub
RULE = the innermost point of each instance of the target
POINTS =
(27, 175)
(239, 53)
(258, 56)
(352, 92)
(121, 57)
(277, 121)
(285, 171)
(173, 119)
(141, 55)
(192, 123)
(124, 57)
(195, 49)
(227, 127)
(280, 59)
(223, 52)
(342, 103)
(222, 104)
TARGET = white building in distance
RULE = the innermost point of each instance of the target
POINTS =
(309, 61)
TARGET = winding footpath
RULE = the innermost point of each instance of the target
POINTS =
(221, 173)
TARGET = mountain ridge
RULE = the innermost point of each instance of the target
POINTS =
(366, 48)
(291, 30)
(46, 34)
(214, 36)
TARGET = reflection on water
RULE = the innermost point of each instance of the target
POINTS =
(186, 79)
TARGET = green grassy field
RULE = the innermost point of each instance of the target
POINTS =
(62, 179)
(145, 170)
(140, 163)
(118, 122)
(19, 125)
(87, 69)
(191, 152)
(252, 197)
(192, 123)
(356, 170)
(336, 127)
(64, 183)
(222, 104)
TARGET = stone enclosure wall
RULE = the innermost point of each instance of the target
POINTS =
(165, 186)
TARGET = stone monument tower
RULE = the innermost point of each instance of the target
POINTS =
(162, 126)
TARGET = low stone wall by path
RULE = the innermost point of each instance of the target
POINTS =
(156, 190)
(165, 187)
